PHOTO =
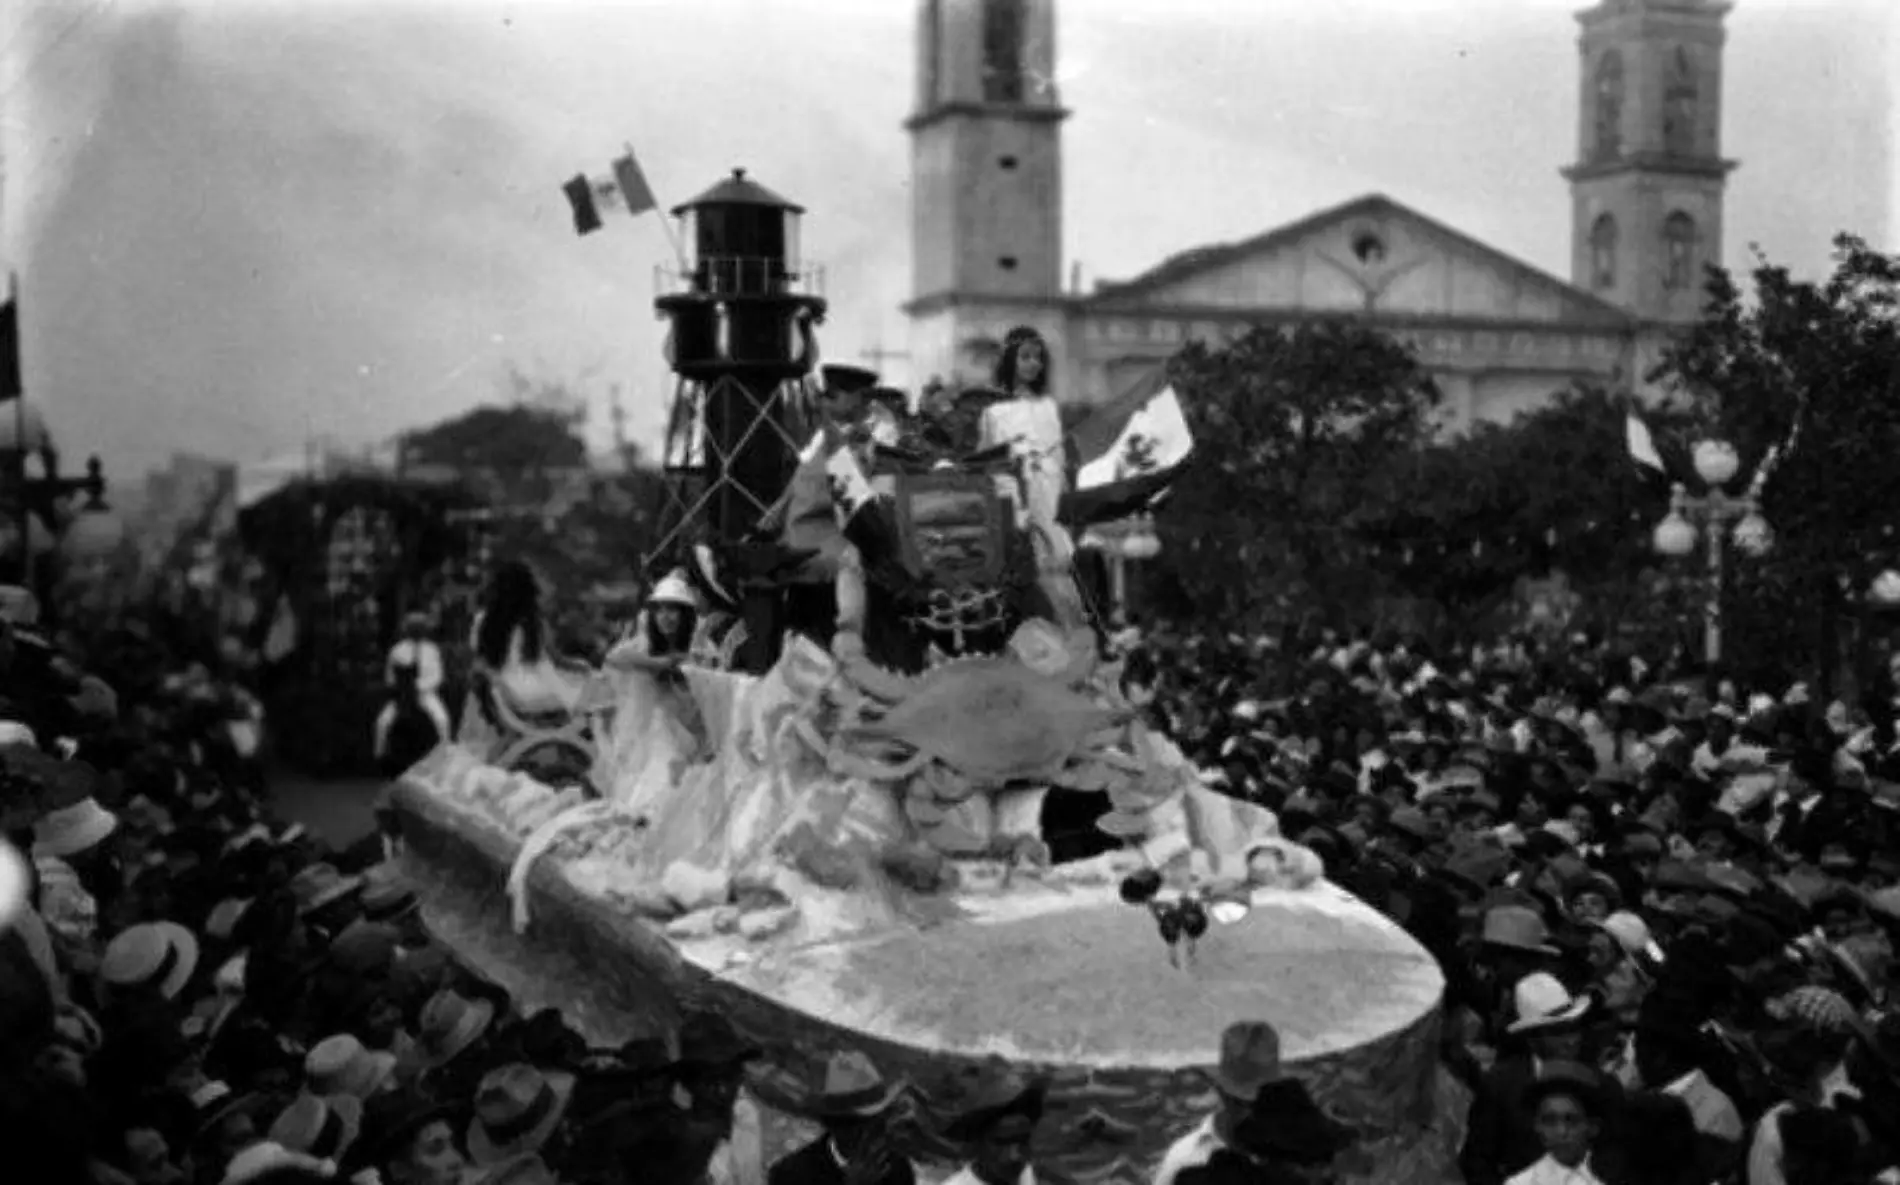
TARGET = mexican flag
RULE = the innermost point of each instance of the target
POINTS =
(1125, 456)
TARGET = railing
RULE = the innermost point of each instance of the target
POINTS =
(739, 275)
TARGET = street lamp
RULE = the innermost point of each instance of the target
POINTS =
(1710, 515)
(94, 534)
(37, 500)
(1142, 543)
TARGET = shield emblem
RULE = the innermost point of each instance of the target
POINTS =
(951, 527)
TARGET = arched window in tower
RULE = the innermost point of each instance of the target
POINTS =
(1608, 144)
(1003, 28)
(1679, 106)
(1679, 251)
(1603, 252)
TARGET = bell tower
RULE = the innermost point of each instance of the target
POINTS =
(986, 174)
(1646, 191)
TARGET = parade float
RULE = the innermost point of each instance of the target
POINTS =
(844, 848)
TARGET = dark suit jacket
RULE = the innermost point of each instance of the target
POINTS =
(814, 1165)
(1499, 1137)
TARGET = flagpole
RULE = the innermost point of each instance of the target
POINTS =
(659, 207)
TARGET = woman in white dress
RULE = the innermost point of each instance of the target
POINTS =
(657, 728)
(513, 647)
(1030, 423)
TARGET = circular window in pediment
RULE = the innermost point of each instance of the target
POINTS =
(1368, 248)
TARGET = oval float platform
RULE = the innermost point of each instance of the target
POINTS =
(1063, 981)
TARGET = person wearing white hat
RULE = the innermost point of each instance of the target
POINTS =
(661, 643)
(663, 635)
(70, 858)
(266, 1160)
(73, 830)
(1500, 1139)
(414, 668)
(18, 606)
(151, 957)
(1545, 1008)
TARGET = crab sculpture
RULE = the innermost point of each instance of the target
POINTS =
(972, 744)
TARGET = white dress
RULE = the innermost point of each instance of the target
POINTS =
(1031, 425)
(535, 686)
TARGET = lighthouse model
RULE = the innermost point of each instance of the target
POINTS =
(742, 307)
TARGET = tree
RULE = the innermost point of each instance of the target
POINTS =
(1304, 435)
(508, 441)
(1552, 490)
(1814, 369)
(580, 527)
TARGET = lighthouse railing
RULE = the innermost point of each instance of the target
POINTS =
(739, 276)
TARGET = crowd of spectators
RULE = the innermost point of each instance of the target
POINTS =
(194, 992)
(1666, 912)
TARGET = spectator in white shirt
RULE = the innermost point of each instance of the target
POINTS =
(1249, 1061)
(1566, 1102)
(417, 657)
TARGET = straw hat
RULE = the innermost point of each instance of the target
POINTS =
(1632, 934)
(1517, 927)
(18, 606)
(674, 590)
(266, 1159)
(319, 1126)
(73, 829)
(340, 1065)
(449, 1024)
(1249, 1059)
(517, 1108)
(386, 896)
(854, 1088)
(1542, 1002)
(224, 917)
(318, 885)
(994, 1092)
(158, 955)
(365, 949)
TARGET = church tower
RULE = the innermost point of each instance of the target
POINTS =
(986, 180)
(1646, 191)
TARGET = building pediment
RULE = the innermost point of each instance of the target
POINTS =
(1371, 255)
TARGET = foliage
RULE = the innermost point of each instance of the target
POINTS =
(512, 443)
(1303, 437)
(579, 527)
(1814, 365)
(1552, 490)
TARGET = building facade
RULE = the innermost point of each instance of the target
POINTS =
(1499, 335)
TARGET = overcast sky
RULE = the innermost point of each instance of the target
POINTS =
(241, 224)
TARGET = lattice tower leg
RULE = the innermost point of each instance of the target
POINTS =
(730, 450)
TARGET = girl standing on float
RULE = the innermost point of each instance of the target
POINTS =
(1029, 421)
